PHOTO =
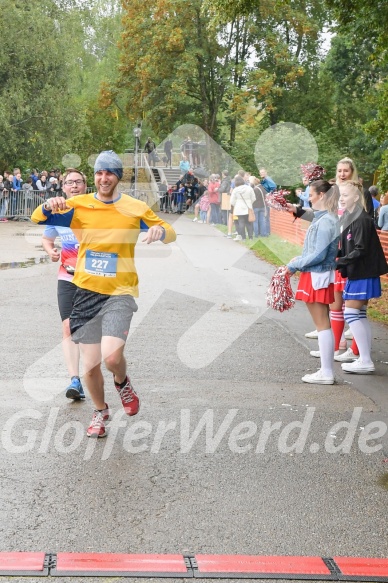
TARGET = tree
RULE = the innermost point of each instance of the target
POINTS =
(366, 23)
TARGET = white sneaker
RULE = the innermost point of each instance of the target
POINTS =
(358, 367)
(317, 354)
(313, 334)
(347, 356)
(200, 222)
(348, 334)
(237, 238)
(195, 220)
(317, 378)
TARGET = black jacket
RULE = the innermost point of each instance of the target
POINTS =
(360, 254)
(260, 193)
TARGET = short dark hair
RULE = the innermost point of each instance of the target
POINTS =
(239, 181)
(374, 190)
(70, 170)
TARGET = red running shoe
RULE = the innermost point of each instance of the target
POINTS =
(97, 426)
(106, 412)
(128, 397)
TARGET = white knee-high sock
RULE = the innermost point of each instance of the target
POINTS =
(367, 328)
(326, 349)
(352, 317)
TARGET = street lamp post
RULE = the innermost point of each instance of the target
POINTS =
(137, 134)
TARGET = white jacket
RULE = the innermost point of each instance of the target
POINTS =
(239, 195)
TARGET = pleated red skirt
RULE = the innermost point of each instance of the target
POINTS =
(306, 292)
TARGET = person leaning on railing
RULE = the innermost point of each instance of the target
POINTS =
(383, 214)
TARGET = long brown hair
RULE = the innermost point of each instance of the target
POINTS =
(330, 193)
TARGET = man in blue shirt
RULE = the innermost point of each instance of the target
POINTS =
(269, 185)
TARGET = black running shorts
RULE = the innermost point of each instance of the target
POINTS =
(65, 292)
(96, 315)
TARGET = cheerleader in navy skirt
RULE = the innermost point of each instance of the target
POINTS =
(361, 259)
(317, 266)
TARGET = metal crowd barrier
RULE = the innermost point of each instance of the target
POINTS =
(20, 205)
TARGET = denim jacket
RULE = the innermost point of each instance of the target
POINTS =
(320, 245)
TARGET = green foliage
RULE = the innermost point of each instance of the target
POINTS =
(53, 57)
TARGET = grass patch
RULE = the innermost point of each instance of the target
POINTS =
(275, 250)
(383, 481)
(378, 308)
(272, 249)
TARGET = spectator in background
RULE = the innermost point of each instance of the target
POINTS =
(34, 177)
(195, 153)
(204, 205)
(260, 207)
(28, 195)
(53, 187)
(184, 165)
(187, 149)
(3, 201)
(304, 195)
(42, 184)
(383, 214)
(213, 187)
(202, 188)
(180, 199)
(8, 186)
(269, 186)
(168, 151)
(191, 187)
(150, 149)
(374, 191)
(163, 196)
(224, 192)
(242, 200)
(15, 202)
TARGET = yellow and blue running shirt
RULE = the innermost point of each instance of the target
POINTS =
(107, 233)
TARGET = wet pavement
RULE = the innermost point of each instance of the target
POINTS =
(230, 453)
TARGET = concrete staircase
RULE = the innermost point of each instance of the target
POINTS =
(172, 175)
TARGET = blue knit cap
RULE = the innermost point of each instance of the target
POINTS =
(109, 161)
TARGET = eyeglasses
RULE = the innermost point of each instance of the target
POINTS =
(71, 182)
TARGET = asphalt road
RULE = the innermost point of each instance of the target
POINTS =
(211, 463)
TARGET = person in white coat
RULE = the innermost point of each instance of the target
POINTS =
(241, 201)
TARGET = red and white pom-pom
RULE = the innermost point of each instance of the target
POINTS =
(277, 200)
(280, 296)
(312, 171)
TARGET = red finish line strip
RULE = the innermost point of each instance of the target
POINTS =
(361, 567)
(216, 564)
(18, 562)
(123, 564)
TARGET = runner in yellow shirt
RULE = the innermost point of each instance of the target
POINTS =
(107, 225)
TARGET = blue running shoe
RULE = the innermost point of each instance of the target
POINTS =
(75, 390)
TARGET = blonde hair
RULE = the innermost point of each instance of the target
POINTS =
(352, 166)
(354, 187)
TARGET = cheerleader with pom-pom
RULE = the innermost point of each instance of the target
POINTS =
(360, 259)
(317, 266)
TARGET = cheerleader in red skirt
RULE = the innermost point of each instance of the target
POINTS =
(317, 266)
(361, 259)
(346, 170)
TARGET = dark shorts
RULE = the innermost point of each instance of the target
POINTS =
(96, 315)
(65, 293)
